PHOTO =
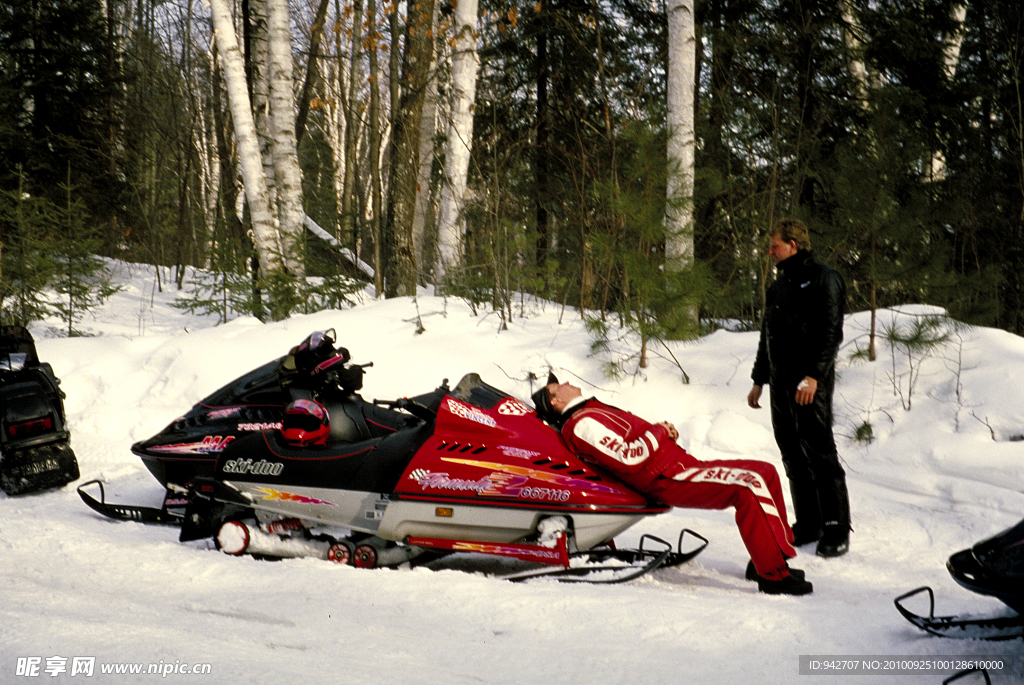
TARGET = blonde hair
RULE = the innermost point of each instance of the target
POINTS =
(792, 229)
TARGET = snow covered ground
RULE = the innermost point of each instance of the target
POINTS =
(936, 478)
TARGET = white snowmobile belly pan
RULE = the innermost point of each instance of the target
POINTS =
(353, 509)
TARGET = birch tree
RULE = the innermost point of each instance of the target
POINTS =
(265, 236)
(465, 65)
(682, 69)
(285, 155)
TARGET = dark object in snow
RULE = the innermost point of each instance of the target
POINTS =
(315, 369)
(994, 567)
(35, 449)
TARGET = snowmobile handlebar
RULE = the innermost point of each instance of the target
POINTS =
(421, 406)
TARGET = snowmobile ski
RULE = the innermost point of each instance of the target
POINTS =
(961, 627)
(607, 565)
(966, 672)
(171, 513)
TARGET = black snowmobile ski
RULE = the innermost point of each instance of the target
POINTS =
(966, 672)
(607, 565)
(171, 513)
(961, 627)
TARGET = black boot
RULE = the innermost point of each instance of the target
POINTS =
(835, 505)
(788, 585)
(834, 542)
(804, 535)
(751, 572)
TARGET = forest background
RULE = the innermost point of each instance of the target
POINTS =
(590, 152)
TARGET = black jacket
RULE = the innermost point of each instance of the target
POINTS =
(803, 322)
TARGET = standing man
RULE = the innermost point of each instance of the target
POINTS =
(646, 456)
(800, 335)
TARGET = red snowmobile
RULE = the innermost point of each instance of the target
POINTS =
(329, 475)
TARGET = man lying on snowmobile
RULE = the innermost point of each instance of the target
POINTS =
(646, 456)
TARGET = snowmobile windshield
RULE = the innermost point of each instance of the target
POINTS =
(472, 390)
(14, 361)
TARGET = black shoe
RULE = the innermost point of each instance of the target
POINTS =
(751, 572)
(834, 542)
(804, 535)
(790, 585)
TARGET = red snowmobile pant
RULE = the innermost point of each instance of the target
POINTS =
(752, 486)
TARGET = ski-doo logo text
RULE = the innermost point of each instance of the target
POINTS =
(259, 468)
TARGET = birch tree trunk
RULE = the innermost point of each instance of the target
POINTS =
(265, 235)
(682, 56)
(349, 199)
(465, 64)
(376, 200)
(285, 154)
(259, 59)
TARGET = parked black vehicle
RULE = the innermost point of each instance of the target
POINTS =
(35, 449)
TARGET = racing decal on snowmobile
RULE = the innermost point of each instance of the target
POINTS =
(210, 445)
(518, 452)
(271, 494)
(555, 478)
(259, 426)
(495, 484)
(513, 407)
(472, 413)
(223, 413)
(524, 552)
(259, 468)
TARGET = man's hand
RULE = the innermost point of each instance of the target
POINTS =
(672, 432)
(805, 390)
(753, 396)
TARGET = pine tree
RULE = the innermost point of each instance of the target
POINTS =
(28, 263)
(81, 280)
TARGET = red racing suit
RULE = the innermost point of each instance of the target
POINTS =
(642, 454)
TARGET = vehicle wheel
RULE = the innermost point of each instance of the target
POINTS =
(365, 556)
(233, 538)
(340, 553)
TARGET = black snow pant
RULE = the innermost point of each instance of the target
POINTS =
(804, 435)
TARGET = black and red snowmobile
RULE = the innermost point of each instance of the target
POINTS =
(35, 443)
(993, 567)
(189, 446)
(463, 469)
